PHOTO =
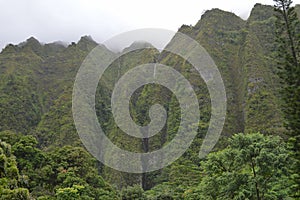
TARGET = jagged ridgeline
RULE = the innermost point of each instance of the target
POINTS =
(36, 83)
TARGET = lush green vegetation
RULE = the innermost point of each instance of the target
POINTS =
(257, 157)
(288, 40)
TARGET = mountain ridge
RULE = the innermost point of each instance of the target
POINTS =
(206, 14)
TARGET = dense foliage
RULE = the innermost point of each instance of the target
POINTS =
(288, 40)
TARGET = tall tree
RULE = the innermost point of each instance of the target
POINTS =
(288, 40)
(253, 166)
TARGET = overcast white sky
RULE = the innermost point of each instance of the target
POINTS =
(68, 20)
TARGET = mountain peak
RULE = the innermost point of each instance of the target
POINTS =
(10, 48)
(220, 20)
(32, 39)
(59, 43)
(30, 42)
(138, 45)
(261, 12)
(216, 12)
(86, 43)
(86, 38)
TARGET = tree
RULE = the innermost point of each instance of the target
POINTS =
(76, 175)
(72, 193)
(28, 155)
(9, 176)
(253, 166)
(288, 40)
(132, 192)
(57, 174)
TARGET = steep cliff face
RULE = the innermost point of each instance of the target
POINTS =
(222, 34)
(244, 54)
(261, 110)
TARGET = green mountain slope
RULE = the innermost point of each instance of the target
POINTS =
(36, 82)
